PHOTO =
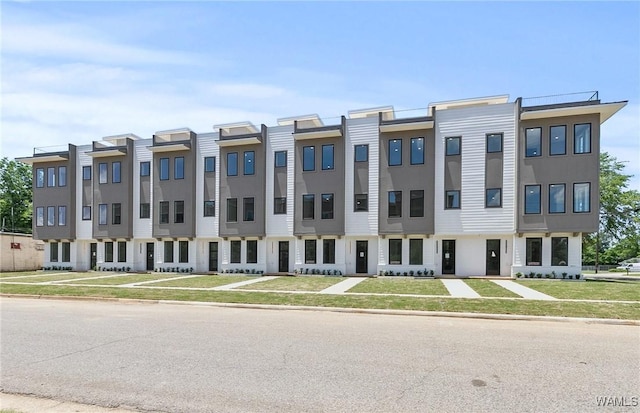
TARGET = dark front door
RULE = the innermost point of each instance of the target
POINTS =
(150, 256)
(493, 257)
(448, 256)
(283, 256)
(213, 256)
(361, 257)
(93, 255)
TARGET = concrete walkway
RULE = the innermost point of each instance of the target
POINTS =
(228, 287)
(459, 289)
(343, 286)
(524, 292)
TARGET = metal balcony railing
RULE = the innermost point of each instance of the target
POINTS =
(589, 96)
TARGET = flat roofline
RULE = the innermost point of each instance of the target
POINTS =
(121, 136)
(451, 104)
(314, 118)
(606, 110)
(387, 111)
(173, 131)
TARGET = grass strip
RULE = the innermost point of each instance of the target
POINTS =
(295, 284)
(488, 289)
(401, 286)
(587, 290)
(127, 279)
(205, 281)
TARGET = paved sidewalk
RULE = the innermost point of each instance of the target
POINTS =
(228, 287)
(31, 404)
(524, 292)
(459, 289)
(343, 286)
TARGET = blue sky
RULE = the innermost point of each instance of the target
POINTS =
(74, 72)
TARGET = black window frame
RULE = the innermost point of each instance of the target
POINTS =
(235, 252)
(311, 152)
(491, 142)
(527, 189)
(415, 149)
(251, 251)
(527, 137)
(183, 251)
(308, 199)
(395, 160)
(178, 212)
(327, 206)
(280, 205)
(560, 251)
(232, 163)
(453, 150)
(329, 251)
(178, 167)
(575, 137)
(416, 251)
(416, 203)
(395, 251)
(249, 163)
(105, 208)
(84, 215)
(209, 208)
(447, 205)
(86, 173)
(530, 249)
(396, 205)
(163, 213)
(145, 168)
(280, 159)
(108, 251)
(358, 150)
(329, 163)
(122, 251)
(51, 177)
(116, 213)
(487, 197)
(116, 172)
(53, 251)
(232, 205)
(168, 251)
(310, 251)
(248, 209)
(564, 140)
(209, 164)
(552, 209)
(357, 203)
(62, 176)
(163, 166)
(575, 198)
(145, 210)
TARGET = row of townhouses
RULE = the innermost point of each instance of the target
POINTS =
(482, 186)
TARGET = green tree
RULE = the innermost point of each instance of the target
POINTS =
(16, 206)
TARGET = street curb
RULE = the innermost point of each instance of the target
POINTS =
(483, 316)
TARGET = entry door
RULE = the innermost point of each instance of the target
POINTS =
(493, 257)
(93, 255)
(361, 257)
(213, 256)
(449, 256)
(283, 256)
(150, 260)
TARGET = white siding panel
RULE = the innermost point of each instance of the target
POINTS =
(207, 146)
(142, 228)
(280, 138)
(83, 228)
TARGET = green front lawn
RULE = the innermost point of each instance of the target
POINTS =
(587, 290)
(25, 273)
(55, 277)
(294, 284)
(487, 288)
(205, 281)
(401, 286)
(126, 279)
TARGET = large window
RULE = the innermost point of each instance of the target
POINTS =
(66, 252)
(582, 138)
(178, 167)
(280, 159)
(361, 202)
(39, 216)
(145, 168)
(534, 251)
(86, 173)
(53, 252)
(395, 152)
(416, 203)
(308, 201)
(452, 144)
(361, 153)
(103, 173)
(556, 198)
(232, 164)
(329, 251)
(236, 250)
(327, 157)
(452, 199)
(86, 213)
(164, 169)
(309, 251)
(62, 176)
(168, 251)
(209, 208)
(116, 213)
(51, 216)
(327, 206)
(62, 215)
(558, 140)
(280, 205)
(494, 142)
(559, 250)
(248, 205)
(40, 177)
(51, 177)
(145, 210)
(115, 172)
(178, 212)
(533, 142)
(493, 198)
(582, 197)
(183, 251)
(532, 199)
(309, 158)
(249, 163)
(102, 214)
(108, 251)
(395, 204)
(252, 251)
(232, 209)
(415, 251)
(122, 251)
(395, 251)
(417, 151)
(210, 164)
(164, 212)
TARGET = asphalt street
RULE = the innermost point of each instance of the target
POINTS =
(183, 358)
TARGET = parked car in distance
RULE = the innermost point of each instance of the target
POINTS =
(631, 267)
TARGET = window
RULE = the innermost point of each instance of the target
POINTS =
(209, 208)
(533, 142)
(62, 176)
(168, 251)
(102, 214)
(235, 252)
(62, 216)
(361, 153)
(361, 202)
(183, 251)
(249, 163)
(556, 199)
(252, 251)
(232, 209)
(86, 213)
(108, 251)
(309, 251)
(329, 251)
(164, 169)
(452, 145)
(559, 250)
(493, 198)
(248, 209)
(116, 210)
(40, 178)
(494, 142)
(280, 206)
(327, 157)
(582, 138)
(232, 164)
(178, 167)
(115, 172)
(210, 164)
(122, 251)
(327, 206)
(582, 197)
(452, 200)
(178, 212)
(66, 252)
(395, 251)
(102, 173)
(532, 199)
(145, 210)
(280, 159)
(395, 204)
(309, 158)
(51, 177)
(308, 201)
(534, 251)
(145, 168)
(51, 216)
(39, 216)
(395, 152)
(164, 212)
(86, 173)
(53, 251)
(415, 252)
(416, 203)
(417, 151)
(558, 140)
